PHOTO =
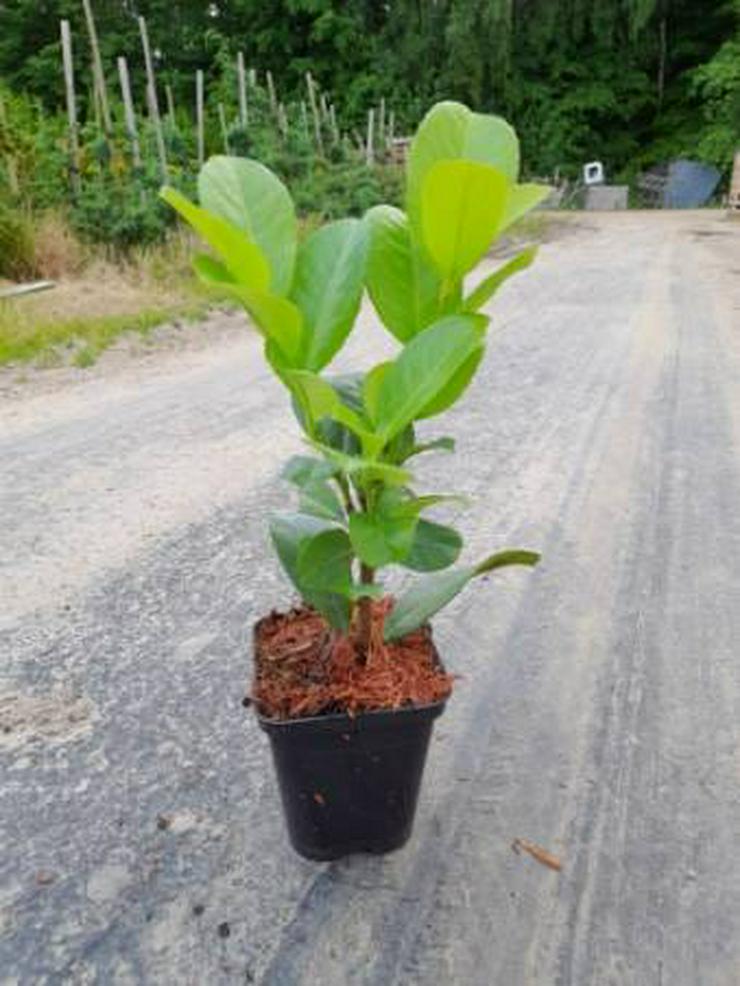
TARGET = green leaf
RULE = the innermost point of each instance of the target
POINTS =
(424, 368)
(324, 562)
(490, 285)
(502, 559)
(463, 204)
(443, 444)
(371, 388)
(523, 199)
(212, 271)
(434, 546)
(319, 399)
(328, 284)
(403, 286)
(289, 532)
(451, 131)
(433, 592)
(243, 258)
(303, 469)
(456, 386)
(275, 317)
(363, 470)
(251, 198)
(379, 540)
(320, 500)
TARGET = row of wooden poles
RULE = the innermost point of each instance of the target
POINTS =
(380, 124)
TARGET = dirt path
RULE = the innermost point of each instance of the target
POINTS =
(597, 713)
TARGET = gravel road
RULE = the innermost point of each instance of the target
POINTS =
(597, 709)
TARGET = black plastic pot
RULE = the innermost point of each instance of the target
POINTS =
(350, 784)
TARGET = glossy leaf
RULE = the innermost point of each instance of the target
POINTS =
(242, 257)
(275, 317)
(402, 284)
(320, 500)
(434, 546)
(303, 469)
(371, 388)
(455, 387)
(463, 204)
(251, 198)
(289, 532)
(319, 399)
(424, 368)
(523, 199)
(443, 444)
(324, 562)
(451, 131)
(433, 592)
(329, 276)
(490, 285)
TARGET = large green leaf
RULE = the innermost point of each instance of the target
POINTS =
(433, 592)
(276, 318)
(490, 285)
(523, 199)
(324, 562)
(379, 540)
(434, 546)
(301, 470)
(289, 532)
(403, 285)
(242, 257)
(424, 368)
(450, 131)
(327, 288)
(251, 198)
(455, 387)
(320, 500)
(463, 204)
(318, 399)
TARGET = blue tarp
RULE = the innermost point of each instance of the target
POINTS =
(690, 184)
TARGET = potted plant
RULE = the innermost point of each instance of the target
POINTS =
(347, 683)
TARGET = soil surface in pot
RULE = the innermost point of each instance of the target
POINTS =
(304, 668)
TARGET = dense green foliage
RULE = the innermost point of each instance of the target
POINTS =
(358, 509)
(628, 81)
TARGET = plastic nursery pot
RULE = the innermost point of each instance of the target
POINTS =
(350, 784)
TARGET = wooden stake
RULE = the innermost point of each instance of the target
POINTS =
(271, 91)
(283, 121)
(242, 83)
(369, 143)
(391, 128)
(253, 77)
(224, 128)
(333, 122)
(381, 126)
(151, 93)
(69, 85)
(128, 110)
(199, 117)
(98, 74)
(304, 120)
(315, 114)
(324, 108)
(170, 103)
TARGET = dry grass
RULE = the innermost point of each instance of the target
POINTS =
(95, 300)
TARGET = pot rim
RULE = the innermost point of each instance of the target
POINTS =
(344, 722)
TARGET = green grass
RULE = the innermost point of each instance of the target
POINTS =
(24, 338)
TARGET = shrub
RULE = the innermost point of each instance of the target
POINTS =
(17, 257)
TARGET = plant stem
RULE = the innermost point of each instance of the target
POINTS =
(365, 614)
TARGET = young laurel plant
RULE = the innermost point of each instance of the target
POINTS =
(359, 511)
